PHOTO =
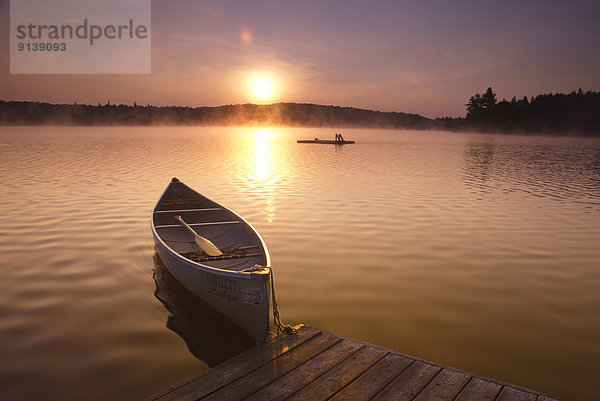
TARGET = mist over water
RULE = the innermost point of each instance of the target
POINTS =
(475, 251)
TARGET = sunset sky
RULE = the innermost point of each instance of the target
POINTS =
(424, 57)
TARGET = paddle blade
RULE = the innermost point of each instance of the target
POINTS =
(207, 246)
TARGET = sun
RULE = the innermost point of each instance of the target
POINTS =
(262, 88)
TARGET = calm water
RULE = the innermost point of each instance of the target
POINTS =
(479, 252)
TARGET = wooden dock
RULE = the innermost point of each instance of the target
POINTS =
(316, 365)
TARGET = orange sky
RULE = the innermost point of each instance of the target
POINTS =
(416, 57)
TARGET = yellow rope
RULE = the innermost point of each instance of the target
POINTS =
(281, 328)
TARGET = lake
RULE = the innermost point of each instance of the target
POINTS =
(480, 252)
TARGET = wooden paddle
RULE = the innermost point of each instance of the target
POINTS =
(203, 243)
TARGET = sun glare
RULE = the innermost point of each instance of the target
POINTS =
(262, 88)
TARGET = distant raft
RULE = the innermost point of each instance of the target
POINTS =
(328, 141)
(339, 140)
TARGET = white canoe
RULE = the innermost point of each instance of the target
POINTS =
(236, 283)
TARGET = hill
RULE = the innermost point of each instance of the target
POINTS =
(555, 114)
(288, 114)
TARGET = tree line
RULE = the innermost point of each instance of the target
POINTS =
(288, 114)
(575, 113)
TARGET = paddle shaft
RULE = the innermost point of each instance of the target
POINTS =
(207, 246)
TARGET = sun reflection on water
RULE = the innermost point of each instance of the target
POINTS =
(264, 170)
(263, 158)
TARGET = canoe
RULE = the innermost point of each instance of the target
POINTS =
(212, 343)
(327, 141)
(236, 283)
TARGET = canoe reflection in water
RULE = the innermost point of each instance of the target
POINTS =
(209, 335)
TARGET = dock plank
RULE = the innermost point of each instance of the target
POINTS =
(340, 376)
(237, 366)
(514, 394)
(318, 365)
(259, 378)
(374, 379)
(446, 385)
(479, 390)
(409, 383)
(307, 372)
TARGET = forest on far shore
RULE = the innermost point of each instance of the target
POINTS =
(573, 113)
(576, 113)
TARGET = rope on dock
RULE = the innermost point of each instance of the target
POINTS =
(281, 328)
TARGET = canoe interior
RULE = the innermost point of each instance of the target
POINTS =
(241, 245)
